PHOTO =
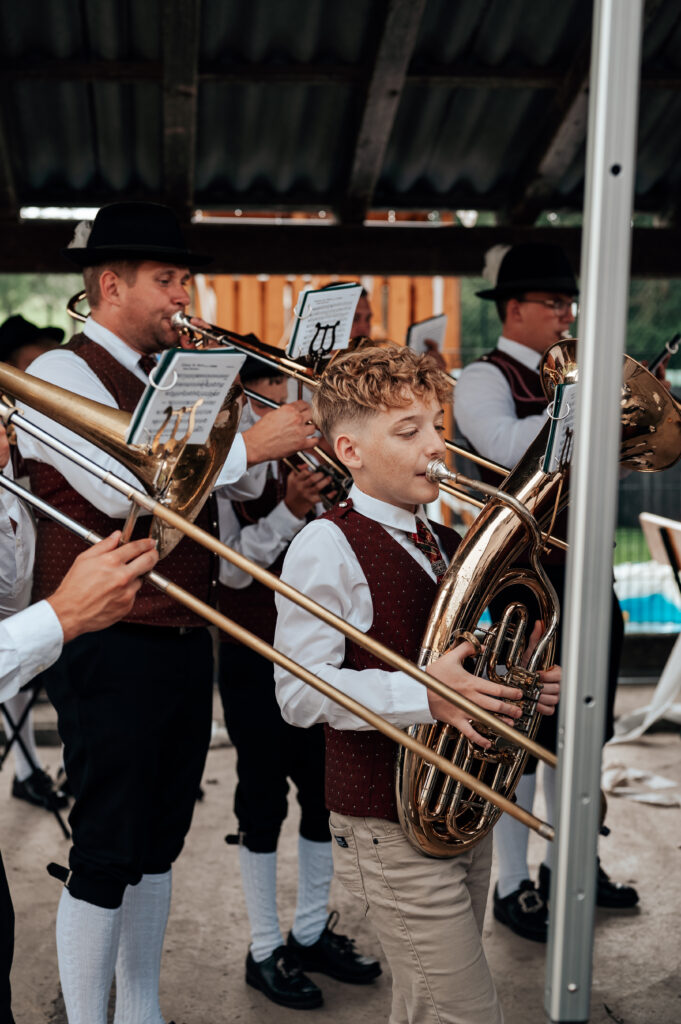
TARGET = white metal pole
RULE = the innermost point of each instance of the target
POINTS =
(606, 238)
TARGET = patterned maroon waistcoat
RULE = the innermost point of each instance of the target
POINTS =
(253, 606)
(360, 766)
(189, 565)
(529, 400)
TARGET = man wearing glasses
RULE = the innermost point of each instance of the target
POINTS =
(500, 408)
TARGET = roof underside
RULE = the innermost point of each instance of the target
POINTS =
(290, 105)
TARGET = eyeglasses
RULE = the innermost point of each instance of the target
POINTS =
(558, 306)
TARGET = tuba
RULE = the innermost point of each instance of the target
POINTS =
(442, 817)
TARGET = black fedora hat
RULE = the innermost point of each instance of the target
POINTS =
(135, 231)
(16, 332)
(533, 267)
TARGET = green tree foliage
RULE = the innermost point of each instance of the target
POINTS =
(40, 298)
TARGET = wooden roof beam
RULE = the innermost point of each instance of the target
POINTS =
(393, 55)
(180, 47)
(563, 136)
(34, 246)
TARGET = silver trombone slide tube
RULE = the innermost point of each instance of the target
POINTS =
(11, 415)
(272, 654)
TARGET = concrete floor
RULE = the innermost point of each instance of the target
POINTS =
(636, 977)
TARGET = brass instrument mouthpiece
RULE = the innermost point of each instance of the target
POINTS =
(437, 472)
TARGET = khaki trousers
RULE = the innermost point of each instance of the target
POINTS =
(428, 915)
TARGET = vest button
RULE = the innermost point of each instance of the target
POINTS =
(342, 504)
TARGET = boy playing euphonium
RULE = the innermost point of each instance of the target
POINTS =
(374, 561)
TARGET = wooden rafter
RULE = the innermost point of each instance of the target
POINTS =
(180, 41)
(561, 140)
(393, 55)
(9, 207)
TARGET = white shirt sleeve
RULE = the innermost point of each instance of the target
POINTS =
(17, 548)
(486, 416)
(30, 642)
(322, 564)
(262, 542)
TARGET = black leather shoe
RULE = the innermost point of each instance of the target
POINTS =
(335, 955)
(280, 978)
(39, 789)
(523, 911)
(609, 894)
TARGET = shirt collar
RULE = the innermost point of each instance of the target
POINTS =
(527, 356)
(114, 345)
(385, 513)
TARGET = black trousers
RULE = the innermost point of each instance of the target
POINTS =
(6, 947)
(134, 708)
(269, 753)
(548, 726)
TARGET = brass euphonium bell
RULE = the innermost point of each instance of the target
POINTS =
(178, 474)
(650, 415)
(442, 818)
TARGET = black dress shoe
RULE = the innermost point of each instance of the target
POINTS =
(335, 955)
(609, 894)
(523, 911)
(280, 978)
(40, 790)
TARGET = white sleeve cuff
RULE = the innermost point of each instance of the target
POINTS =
(30, 641)
(235, 463)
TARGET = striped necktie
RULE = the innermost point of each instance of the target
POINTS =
(147, 364)
(426, 543)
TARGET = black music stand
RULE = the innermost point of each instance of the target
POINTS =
(14, 736)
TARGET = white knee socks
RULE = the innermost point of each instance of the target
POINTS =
(511, 839)
(259, 881)
(22, 767)
(144, 916)
(87, 944)
(315, 871)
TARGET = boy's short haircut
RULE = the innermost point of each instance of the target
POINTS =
(359, 384)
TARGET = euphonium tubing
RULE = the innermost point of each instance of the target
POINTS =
(440, 818)
(11, 415)
(267, 651)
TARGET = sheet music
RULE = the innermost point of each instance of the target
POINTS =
(561, 436)
(181, 377)
(432, 329)
(323, 320)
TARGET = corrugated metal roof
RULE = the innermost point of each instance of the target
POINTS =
(280, 102)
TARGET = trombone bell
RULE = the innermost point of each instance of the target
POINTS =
(181, 479)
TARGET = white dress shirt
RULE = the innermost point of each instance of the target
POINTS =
(321, 563)
(262, 542)
(31, 639)
(67, 370)
(485, 411)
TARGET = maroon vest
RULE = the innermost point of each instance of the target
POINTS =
(529, 400)
(189, 565)
(360, 766)
(253, 606)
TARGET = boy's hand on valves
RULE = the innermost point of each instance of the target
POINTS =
(490, 696)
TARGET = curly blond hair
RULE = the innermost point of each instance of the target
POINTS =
(359, 384)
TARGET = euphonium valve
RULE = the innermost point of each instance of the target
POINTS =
(440, 817)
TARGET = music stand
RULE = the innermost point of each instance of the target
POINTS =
(13, 735)
(663, 537)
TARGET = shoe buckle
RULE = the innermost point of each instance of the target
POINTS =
(530, 901)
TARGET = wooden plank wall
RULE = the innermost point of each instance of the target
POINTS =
(263, 304)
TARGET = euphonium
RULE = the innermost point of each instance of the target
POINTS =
(440, 817)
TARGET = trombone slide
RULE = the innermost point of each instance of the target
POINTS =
(249, 639)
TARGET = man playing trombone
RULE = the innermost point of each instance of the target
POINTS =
(99, 588)
(134, 701)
